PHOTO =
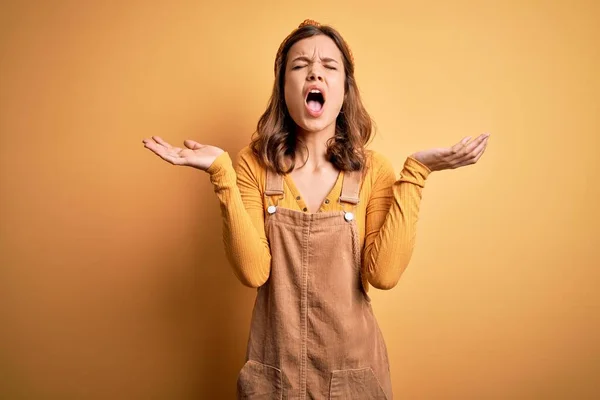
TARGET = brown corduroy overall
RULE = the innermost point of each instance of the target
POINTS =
(313, 333)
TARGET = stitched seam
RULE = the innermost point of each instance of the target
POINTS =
(358, 261)
(378, 383)
(304, 311)
(295, 225)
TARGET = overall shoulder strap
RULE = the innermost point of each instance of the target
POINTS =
(274, 185)
(351, 187)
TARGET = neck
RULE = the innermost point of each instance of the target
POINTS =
(316, 145)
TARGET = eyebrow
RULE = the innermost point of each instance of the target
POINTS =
(305, 58)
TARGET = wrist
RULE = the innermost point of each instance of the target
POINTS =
(217, 164)
(418, 157)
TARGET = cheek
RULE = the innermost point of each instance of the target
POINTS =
(290, 93)
(339, 92)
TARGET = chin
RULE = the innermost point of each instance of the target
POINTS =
(315, 125)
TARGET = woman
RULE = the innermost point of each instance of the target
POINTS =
(311, 218)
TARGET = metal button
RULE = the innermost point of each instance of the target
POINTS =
(348, 216)
(305, 209)
(326, 201)
(271, 209)
(297, 197)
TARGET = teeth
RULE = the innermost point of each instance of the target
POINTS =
(315, 91)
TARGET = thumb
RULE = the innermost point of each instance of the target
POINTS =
(190, 144)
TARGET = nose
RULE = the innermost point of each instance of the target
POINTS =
(314, 75)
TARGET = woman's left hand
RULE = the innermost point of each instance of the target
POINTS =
(461, 154)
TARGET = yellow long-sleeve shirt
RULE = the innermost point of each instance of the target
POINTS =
(386, 215)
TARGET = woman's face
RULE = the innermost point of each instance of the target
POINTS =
(314, 83)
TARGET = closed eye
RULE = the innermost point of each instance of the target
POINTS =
(302, 66)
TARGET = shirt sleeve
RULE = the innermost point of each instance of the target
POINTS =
(391, 221)
(242, 212)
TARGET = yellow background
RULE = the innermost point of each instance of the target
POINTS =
(113, 277)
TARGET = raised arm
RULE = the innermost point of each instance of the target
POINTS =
(391, 221)
(240, 201)
(393, 209)
(242, 211)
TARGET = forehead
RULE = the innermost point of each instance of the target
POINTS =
(319, 46)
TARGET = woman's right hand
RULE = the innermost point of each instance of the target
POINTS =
(195, 155)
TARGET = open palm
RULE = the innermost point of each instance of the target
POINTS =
(461, 154)
(194, 154)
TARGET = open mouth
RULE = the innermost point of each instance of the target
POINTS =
(315, 100)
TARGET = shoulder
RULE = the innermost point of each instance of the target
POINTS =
(377, 164)
(247, 164)
(246, 154)
(247, 158)
(376, 158)
(379, 173)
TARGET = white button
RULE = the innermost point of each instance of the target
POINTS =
(271, 209)
(348, 216)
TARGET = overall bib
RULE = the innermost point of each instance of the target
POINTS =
(313, 333)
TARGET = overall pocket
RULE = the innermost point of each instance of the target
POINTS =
(257, 381)
(359, 384)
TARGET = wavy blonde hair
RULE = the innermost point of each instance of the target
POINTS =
(275, 141)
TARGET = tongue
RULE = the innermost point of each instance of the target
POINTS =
(314, 105)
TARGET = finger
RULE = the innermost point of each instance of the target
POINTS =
(457, 151)
(191, 144)
(463, 142)
(478, 156)
(476, 144)
(474, 151)
(172, 159)
(159, 140)
(458, 146)
(480, 147)
(474, 156)
(152, 145)
(468, 149)
(450, 153)
(169, 155)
